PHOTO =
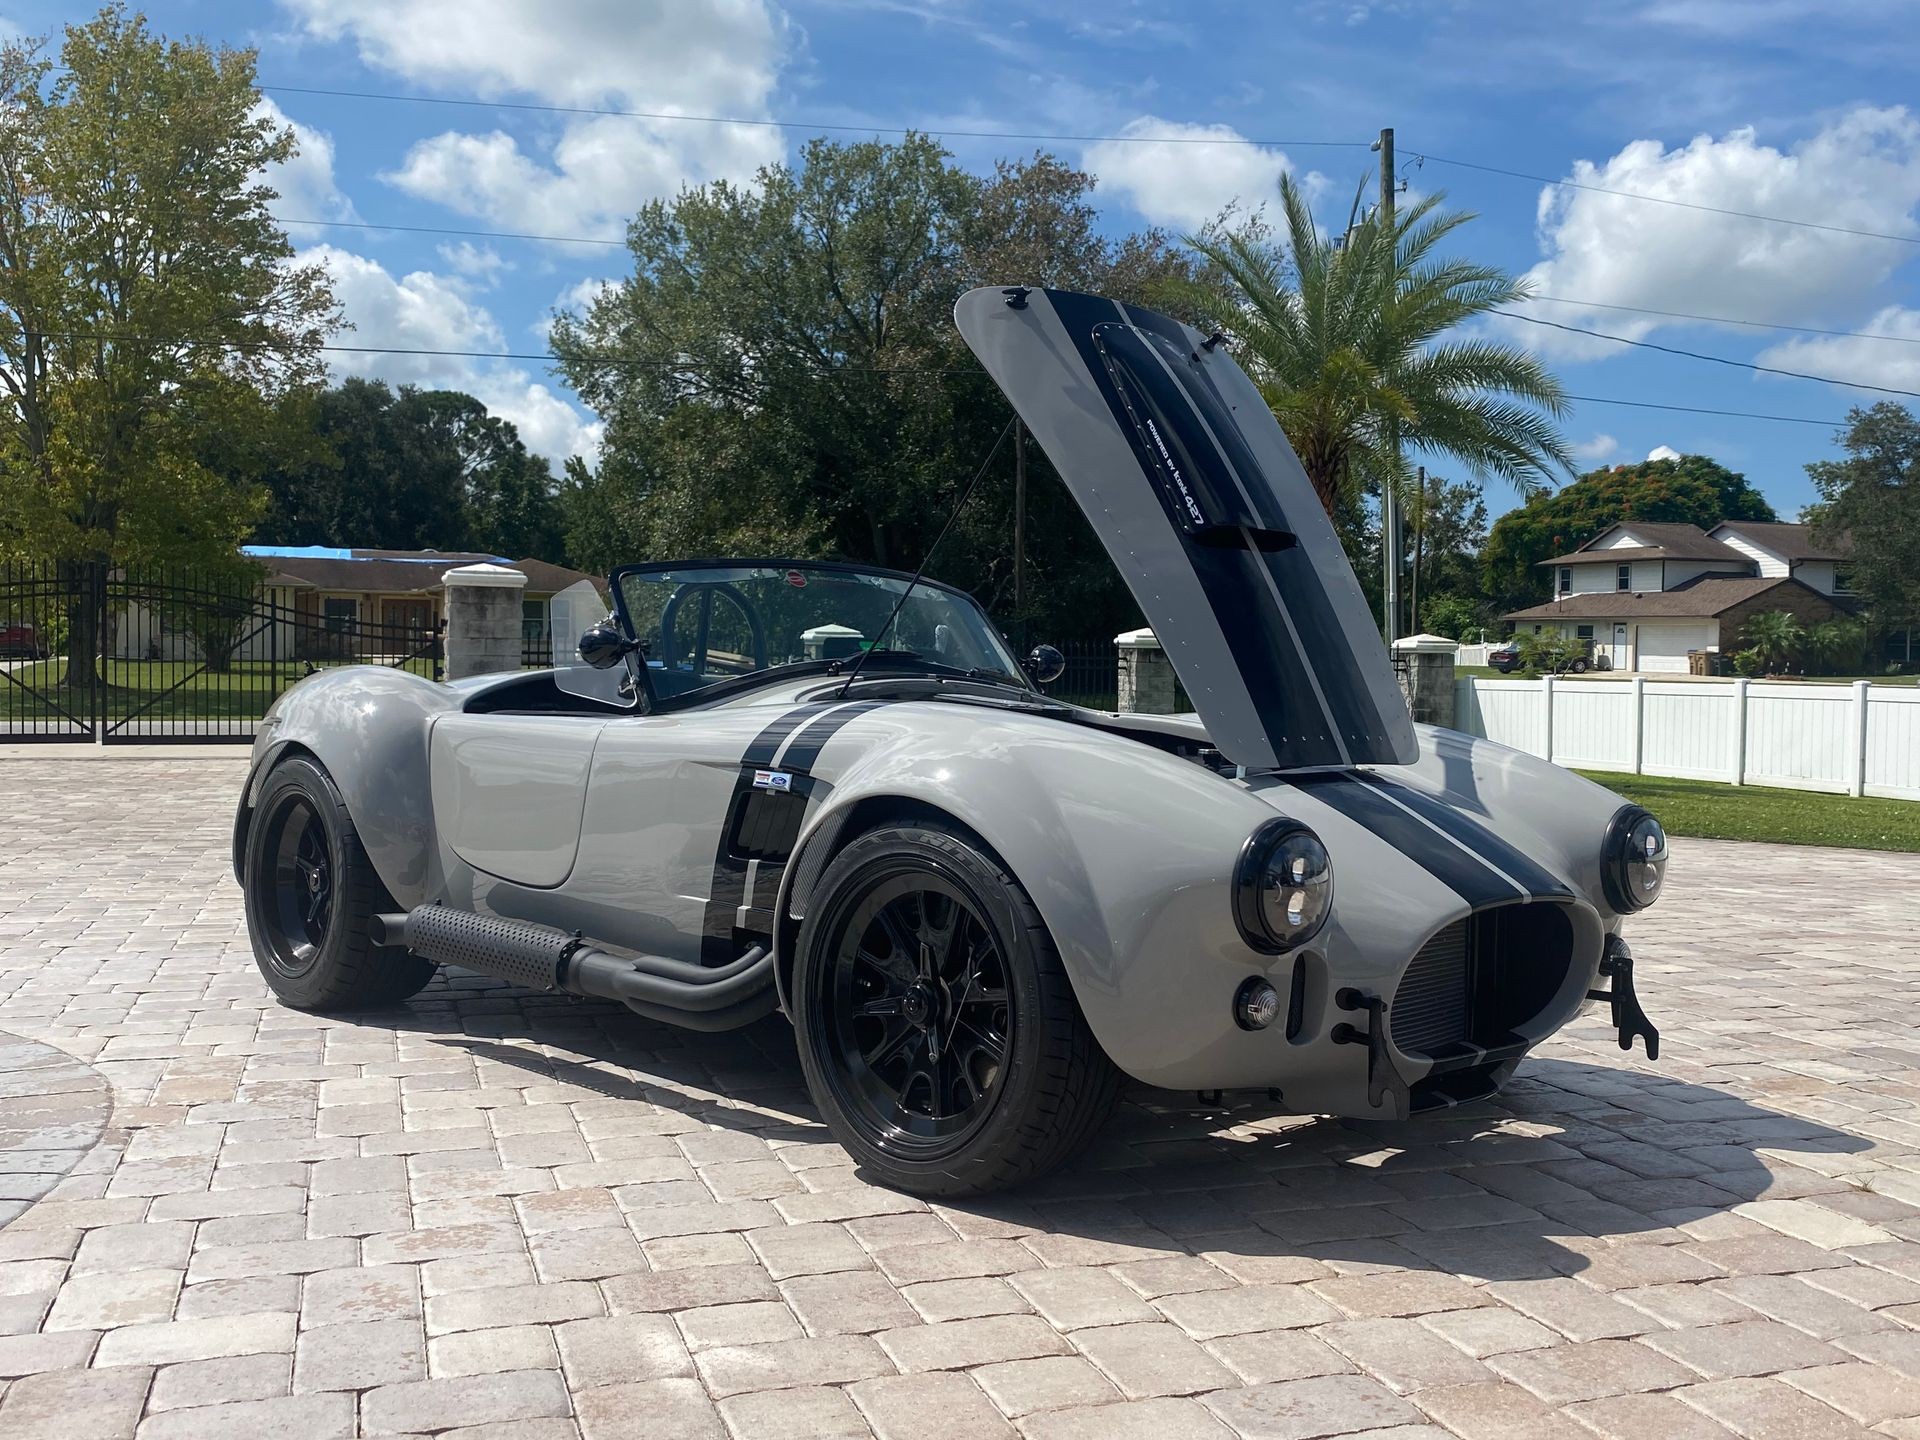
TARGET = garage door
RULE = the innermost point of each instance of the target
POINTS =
(1665, 647)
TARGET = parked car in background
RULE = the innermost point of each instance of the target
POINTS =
(1505, 658)
(21, 642)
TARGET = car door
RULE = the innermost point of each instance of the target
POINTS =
(508, 791)
(688, 822)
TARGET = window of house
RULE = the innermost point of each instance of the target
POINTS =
(1566, 579)
(1623, 578)
(1842, 580)
(341, 613)
(1583, 632)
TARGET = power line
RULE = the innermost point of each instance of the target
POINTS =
(472, 234)
(1728, 320)
(957, 134)
(1701, 410)
(623, 362)
(809, 125)
(1713, 359)
(447, 230)
(1668, 200)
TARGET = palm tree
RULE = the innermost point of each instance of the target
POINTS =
(1353, 347)
(1775, 637)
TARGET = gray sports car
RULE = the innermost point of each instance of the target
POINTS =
(833, 790)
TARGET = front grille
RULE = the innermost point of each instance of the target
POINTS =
(1430, 1009)
(1482, 978)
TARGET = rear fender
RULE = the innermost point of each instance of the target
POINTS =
(368, 725)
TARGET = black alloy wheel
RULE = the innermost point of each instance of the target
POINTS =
(311, 895)
(300, 886)
(937, 1027)
(922, 1013)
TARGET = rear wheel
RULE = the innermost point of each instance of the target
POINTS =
(311, 895)
(938, 1031)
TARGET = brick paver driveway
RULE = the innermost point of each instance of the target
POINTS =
(504, 1215)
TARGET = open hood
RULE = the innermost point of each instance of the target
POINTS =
(1186, 477)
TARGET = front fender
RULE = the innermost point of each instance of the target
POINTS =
(1127, 852)
(368, 726)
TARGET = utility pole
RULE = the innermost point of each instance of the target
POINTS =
(1020, 530)
(1419, 550)
(1389, 492)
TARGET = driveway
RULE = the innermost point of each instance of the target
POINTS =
(498, 1214)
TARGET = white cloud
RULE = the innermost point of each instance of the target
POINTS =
(306, 184)
(1663, 452)
(426, 311)
(1860, 172)
(715, 57)
(479, 265)
(679, 54)
(599, 172)
(576, 299)
(1179, 184)
(1595, 451)
(1857, 357)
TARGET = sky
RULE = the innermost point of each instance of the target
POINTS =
(1778, 108)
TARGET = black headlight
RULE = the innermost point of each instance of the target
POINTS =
(1282, 887)
(1634, 860)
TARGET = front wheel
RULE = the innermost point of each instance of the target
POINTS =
(311, 895)
(937, 1028)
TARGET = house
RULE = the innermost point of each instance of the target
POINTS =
(397, 589)
(1648, 595)
(327, 602)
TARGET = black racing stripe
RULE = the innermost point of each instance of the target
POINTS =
(1472, 881)
(1476, 837)
(767, 743)
(807, 745)
(1269, 667)
(1344, 684)
(821, 720)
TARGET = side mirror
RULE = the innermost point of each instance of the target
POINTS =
(603, 646)
(1044, 665)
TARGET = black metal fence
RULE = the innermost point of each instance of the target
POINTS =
(88, 652)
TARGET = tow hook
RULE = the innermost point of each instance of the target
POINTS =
(1616, 963)
(1382, 1078)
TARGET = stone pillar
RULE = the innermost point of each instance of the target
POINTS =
(483, 620)
(1424, 664)
(1146, 675)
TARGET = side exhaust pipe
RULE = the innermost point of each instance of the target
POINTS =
(542, 958)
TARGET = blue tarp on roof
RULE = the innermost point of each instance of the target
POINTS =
(336, 552)
(297, 552)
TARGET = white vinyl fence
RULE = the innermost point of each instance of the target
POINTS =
(1857, 739)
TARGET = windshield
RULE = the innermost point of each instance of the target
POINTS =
(702, 625)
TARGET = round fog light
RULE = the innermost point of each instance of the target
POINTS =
(1256, 1005)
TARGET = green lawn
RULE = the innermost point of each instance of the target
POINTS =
(161, 689)
(1757, 812)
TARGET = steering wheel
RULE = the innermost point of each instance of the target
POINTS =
(704, 595)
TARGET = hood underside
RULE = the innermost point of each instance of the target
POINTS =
(1188, 480)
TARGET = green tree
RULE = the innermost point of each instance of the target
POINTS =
(1870, 506)
(412, 469)
(1346, 336)
(1775, 638)
(1692, 490)
(1836, 646)
(780, 374)
(1446, 524)
(148, 306)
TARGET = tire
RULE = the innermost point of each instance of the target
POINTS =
(311, 895)
(936, 1087)
(1578, 667)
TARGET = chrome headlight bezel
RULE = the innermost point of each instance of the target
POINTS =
(1257, 877)
(1627, 857)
